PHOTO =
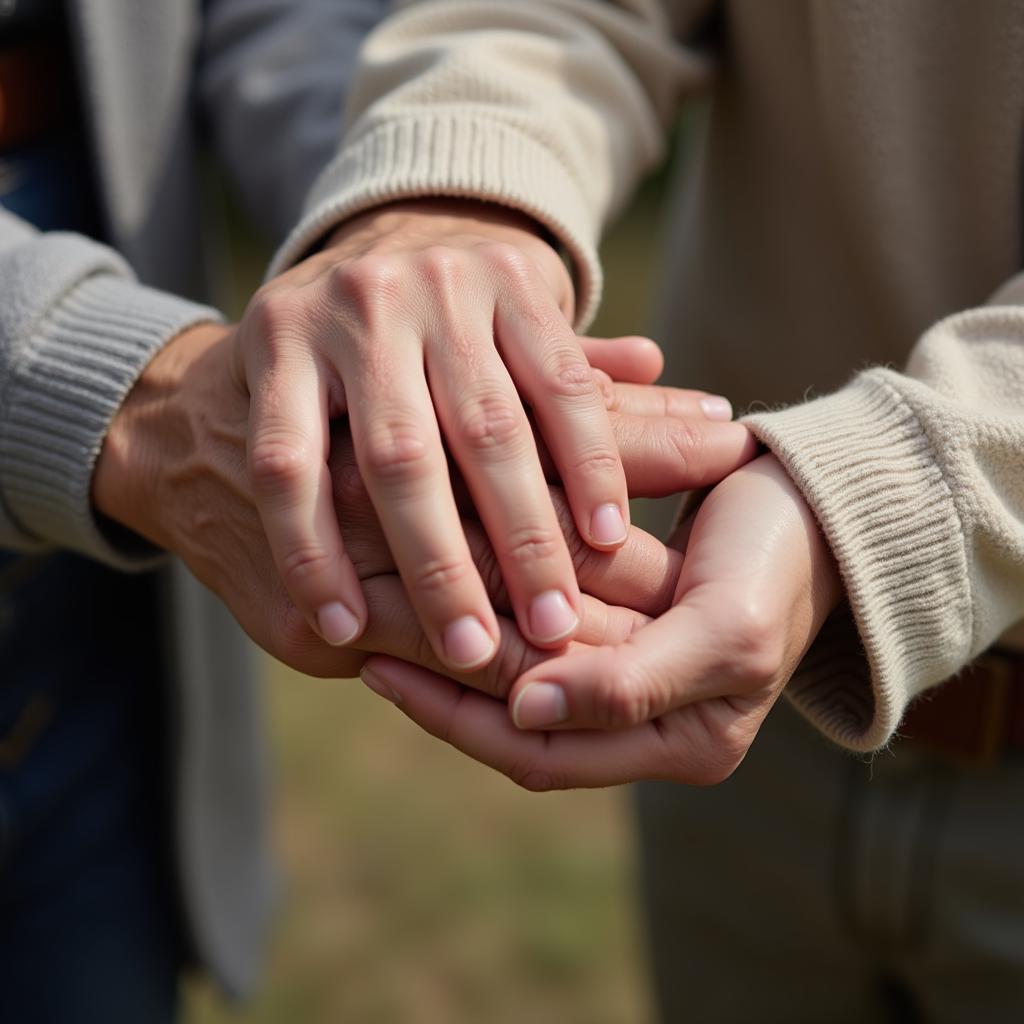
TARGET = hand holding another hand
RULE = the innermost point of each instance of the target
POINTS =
(430, 324)
(680, 698)
(174, 469)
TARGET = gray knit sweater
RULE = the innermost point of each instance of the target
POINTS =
(79, 321)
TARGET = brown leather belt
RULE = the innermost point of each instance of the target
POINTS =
(31, 84)
(977, 716)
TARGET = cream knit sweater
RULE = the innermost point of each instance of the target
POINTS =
(858, 188)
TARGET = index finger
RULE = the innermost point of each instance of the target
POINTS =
(287, 464)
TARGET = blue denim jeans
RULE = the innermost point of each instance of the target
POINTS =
(89, 927)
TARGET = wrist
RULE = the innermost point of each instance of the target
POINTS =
(148, 434)
(826, 587)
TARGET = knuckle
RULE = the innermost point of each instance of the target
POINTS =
(437, 575)
(508, 260)
(275, 311)
(395, 452)
(530, 544)
(443, 269)
(622, 701)
(571, 377)
(366, 287)
(301, 562)
(368, 276)
(278, 465)
(597, 462)
(488, 422)
(688, 444)
(757, 649)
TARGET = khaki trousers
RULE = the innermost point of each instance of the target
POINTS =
(821, 887)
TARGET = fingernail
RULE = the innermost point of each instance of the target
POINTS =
(379, 687)
(607, 525)
(467, 643)
(551, 617)
(716, 408)
(540, 705)
(337, 624)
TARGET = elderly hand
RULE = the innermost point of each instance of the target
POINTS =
(681, 698)
(174, 470)
(428, 323)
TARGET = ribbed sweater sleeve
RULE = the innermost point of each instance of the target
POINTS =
(76, 330)
(917, 480)
(556, 109)
(508, 103)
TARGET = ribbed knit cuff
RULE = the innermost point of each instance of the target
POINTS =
(453, 155)
(83, 360)
(869, 472)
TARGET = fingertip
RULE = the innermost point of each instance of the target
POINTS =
(608, 527)
(716, 408)
(419, 692)
(375, 682)
(337, 624)
(552, 620)
(540, 705)
(647, 361)
(467, 645)
(651, 351)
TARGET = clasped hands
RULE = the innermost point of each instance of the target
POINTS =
(298, 464)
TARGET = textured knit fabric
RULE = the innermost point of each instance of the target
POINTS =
(858, 181)
(79, 321)
(57, 394)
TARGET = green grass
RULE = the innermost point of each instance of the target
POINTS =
(422, 887)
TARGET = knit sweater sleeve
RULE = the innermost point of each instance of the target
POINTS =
(554, 108)
(916, 480)
(76, 330)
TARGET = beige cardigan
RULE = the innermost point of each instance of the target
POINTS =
(855, 202)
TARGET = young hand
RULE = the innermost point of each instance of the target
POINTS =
(681, 698)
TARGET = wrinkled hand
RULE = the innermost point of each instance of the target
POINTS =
(681, 698)
(430, 323)
(174, 469)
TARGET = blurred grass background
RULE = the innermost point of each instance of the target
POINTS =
(420, 887)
